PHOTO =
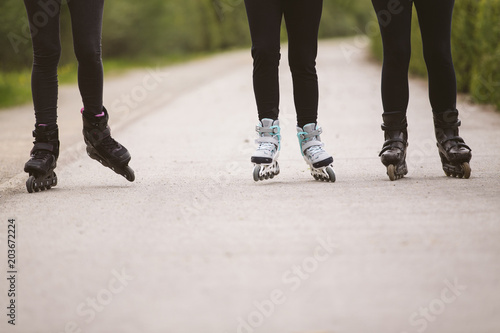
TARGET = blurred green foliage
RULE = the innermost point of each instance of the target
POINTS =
(463, 41)
(138, 29)
(475, 46)
(135, 32)
(485, 77)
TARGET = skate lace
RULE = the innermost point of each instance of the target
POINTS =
(267, 146)
(314, 151)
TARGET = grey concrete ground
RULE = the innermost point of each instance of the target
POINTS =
(194, 245)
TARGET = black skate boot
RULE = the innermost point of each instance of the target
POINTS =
(393, 154)
(43, 161)
(455, 154)
(102, 147)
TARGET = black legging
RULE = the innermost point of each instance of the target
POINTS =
(86, 21)
(302, 19)
(434, 17)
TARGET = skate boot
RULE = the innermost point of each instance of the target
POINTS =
(315, 156)
(43, 161)
(455, 154)
(393, 154)
(102, 147)
(265, 158)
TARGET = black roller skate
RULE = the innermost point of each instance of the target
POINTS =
(393, 154)
(43, 161)
(102, 147)
(455, 154)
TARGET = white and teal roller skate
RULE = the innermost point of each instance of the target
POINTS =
(315, 156)
(265, 158)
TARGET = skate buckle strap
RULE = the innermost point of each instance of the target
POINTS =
(273, 138)
(305, 135)
(271, 130)
(399, 127)
(388, 145)
(43, 146)
(458, 142)
(448, 125)
(307, 140)
(310, 144)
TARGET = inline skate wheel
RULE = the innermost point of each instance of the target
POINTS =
(256, 173)
(467, 170)
(391, 172)
(331, 174)
(129, 173)
(30, 184)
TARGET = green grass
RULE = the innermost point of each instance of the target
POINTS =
(15, 87)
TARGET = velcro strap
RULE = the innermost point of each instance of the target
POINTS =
(448, 125)
(392, 127)
(386, 148)
(388, 145)
(44, 146)
(272, 129)
(458, 142)
(305, 135)
(388, 142)
(269, 139)
(311, 143)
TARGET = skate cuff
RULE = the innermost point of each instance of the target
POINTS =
(446, 119)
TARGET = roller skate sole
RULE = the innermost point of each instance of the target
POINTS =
(456, 170)
(396, 172)
(123, 170)
(324, 174)
(265, 171)
(36, 183)
(323, 171)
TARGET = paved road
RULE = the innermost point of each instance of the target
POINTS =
(194, 245)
